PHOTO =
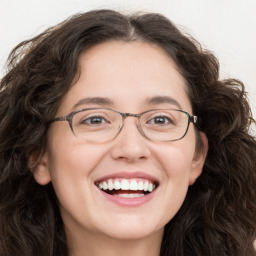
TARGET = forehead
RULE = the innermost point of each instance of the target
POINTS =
(128, 74)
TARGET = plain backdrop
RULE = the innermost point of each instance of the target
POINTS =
(226, 27)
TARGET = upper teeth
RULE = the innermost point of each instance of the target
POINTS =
(125, 184)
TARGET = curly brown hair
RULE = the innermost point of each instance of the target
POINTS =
(218, 216)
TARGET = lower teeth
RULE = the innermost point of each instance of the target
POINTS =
(129, 195)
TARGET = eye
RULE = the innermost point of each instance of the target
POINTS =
(160, 120)
(94, 120)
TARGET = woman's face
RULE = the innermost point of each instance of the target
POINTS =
(126, 77)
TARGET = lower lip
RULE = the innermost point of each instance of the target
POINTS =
(129, 202)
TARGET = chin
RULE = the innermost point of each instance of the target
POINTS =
(130, 229)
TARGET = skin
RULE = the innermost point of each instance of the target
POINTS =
(128, 74)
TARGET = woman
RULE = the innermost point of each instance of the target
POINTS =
(118, 137)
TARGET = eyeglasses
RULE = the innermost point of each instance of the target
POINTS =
(104, 124)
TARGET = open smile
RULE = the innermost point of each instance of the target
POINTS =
(128, 189)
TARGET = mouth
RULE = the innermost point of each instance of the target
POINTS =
(127, 188)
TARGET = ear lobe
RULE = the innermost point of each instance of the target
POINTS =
(198, 160)
(39, 164)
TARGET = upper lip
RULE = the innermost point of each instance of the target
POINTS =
(128, 175)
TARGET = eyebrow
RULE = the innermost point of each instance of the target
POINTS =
(161, 100)
(94, 100)
(107, 102)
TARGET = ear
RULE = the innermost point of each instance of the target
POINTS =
(198, 160)
(40, 166)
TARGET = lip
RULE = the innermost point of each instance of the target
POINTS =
(128, 202)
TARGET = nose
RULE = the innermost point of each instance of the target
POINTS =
(130, 145)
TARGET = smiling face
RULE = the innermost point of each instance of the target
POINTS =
(129, 77)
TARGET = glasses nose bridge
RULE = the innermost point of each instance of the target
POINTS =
(137, 116)
(125, 115)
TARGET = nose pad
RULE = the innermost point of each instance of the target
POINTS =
(130, 144)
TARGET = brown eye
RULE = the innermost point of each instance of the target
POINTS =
(94, 120)
(160, 120)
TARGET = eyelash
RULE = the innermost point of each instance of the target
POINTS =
(169, 120)
(84, 121)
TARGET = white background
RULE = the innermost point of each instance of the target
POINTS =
(227, 27)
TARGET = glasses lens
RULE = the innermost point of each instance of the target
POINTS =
(164, 125)
(100, 125)
(96, 125)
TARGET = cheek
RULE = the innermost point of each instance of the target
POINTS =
(72, 164)
(75, 161)
(71, 171)
(70, 156)
(176, 159)
(177, 174)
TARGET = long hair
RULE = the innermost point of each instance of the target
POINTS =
(218, 216)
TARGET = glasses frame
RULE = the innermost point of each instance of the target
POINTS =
(69, 118)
